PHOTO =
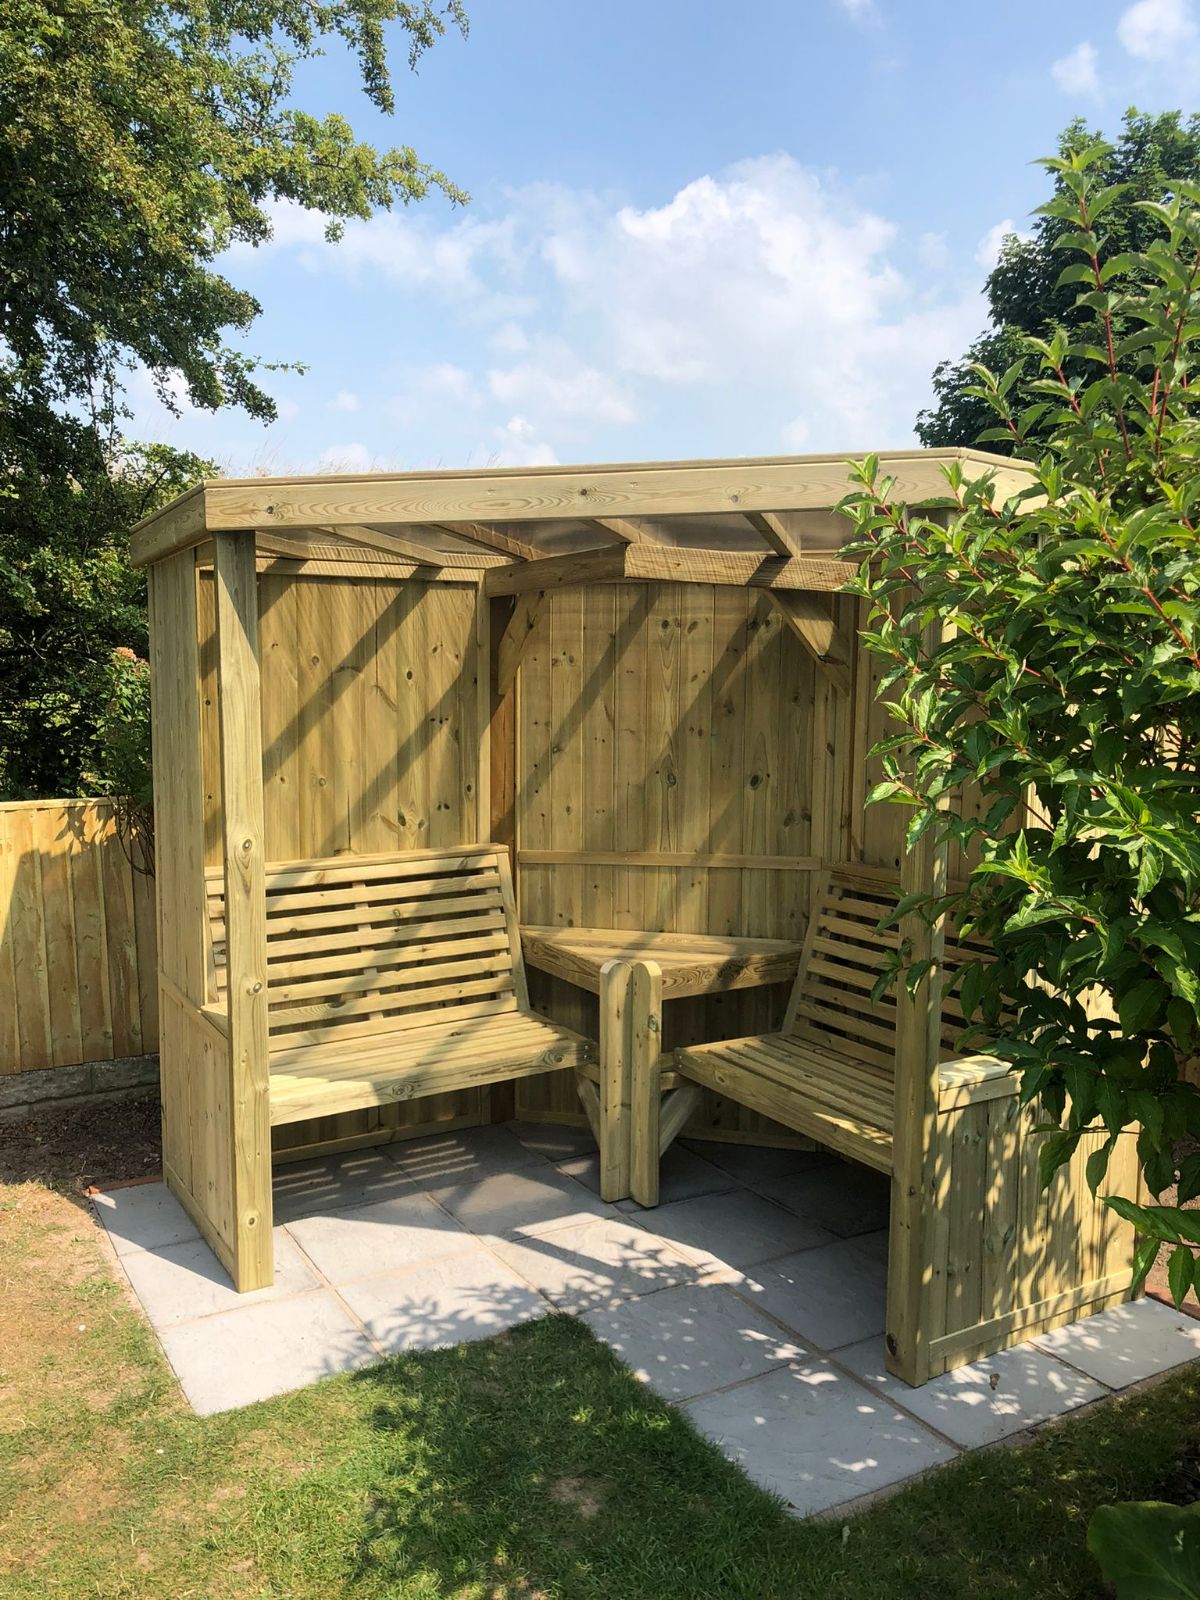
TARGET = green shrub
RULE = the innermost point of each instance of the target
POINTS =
(1046, 650)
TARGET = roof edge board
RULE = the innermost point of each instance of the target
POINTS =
(517, 494)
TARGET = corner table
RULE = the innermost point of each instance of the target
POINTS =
(633, 972)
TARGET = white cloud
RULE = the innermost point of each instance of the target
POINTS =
(860, 11)
(344, 400)
(760, 308)
(466, 262)
(764, 290)
(1075, 73)
(1158, 30)
(353, 457)
(553, 381)
(987, 251)
(516, 445)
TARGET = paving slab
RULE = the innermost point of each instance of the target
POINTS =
(455, 1301)
(248, 1354)
(844, 1199)
(986, 1401)
(688, 1340)
(734, 1230)
(385, 1237)
(179, 1282)
(461, 1156)
(595, 1263)
(520, 1202)
(756, 1164)
(143, 1216)
(1126, 1343)
(682, 1175)
(831, 1296)
(555, 1141)
(816, 1437)
(331, 1183)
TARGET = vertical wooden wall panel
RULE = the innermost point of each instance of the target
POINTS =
(180, 781)
(681, 719)
(78, 965)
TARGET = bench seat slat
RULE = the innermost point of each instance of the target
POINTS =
(426, 1063)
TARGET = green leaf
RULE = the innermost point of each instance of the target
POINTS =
(1140, 1007)
(1181, 1270)
(1147, 1550)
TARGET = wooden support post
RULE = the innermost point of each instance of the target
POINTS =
(645, 1036)
(240, 714)
(912, 1289)
(616, 1081)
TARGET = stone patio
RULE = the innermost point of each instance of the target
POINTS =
(753, 1297)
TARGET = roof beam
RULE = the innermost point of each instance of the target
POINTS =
(649, 562)
(742, 568)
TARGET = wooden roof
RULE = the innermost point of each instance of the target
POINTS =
(766, 521)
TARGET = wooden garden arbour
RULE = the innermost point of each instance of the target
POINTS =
(599, 669)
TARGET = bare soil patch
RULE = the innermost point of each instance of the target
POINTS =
(71, 1148)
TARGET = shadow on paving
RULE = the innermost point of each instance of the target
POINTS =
(536, 1464)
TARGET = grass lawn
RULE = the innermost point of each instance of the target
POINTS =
(530, 1466)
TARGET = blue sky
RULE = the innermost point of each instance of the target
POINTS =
(695, 229)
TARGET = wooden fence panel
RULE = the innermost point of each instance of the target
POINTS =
(77, 945)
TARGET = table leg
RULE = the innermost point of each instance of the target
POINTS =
(616, 980)
(645, 1135)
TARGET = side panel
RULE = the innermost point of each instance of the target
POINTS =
(195, 1060)
(1010, 1260)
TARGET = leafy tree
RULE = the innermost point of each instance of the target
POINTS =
(1065, 687)
(137, 143)
(1152, 154)
(68, 599)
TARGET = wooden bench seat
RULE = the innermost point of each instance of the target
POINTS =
(392, 977)
(830, 1071)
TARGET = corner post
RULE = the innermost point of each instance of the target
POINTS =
(913, 1284)
(240, 715)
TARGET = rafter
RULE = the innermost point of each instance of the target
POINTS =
(775, 528)
(399, 544)
(491, 537)
(619, 527)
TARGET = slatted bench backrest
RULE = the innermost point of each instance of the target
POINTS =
(365, 944)
(831, 1003)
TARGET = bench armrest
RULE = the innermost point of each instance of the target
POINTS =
(967, 1079)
